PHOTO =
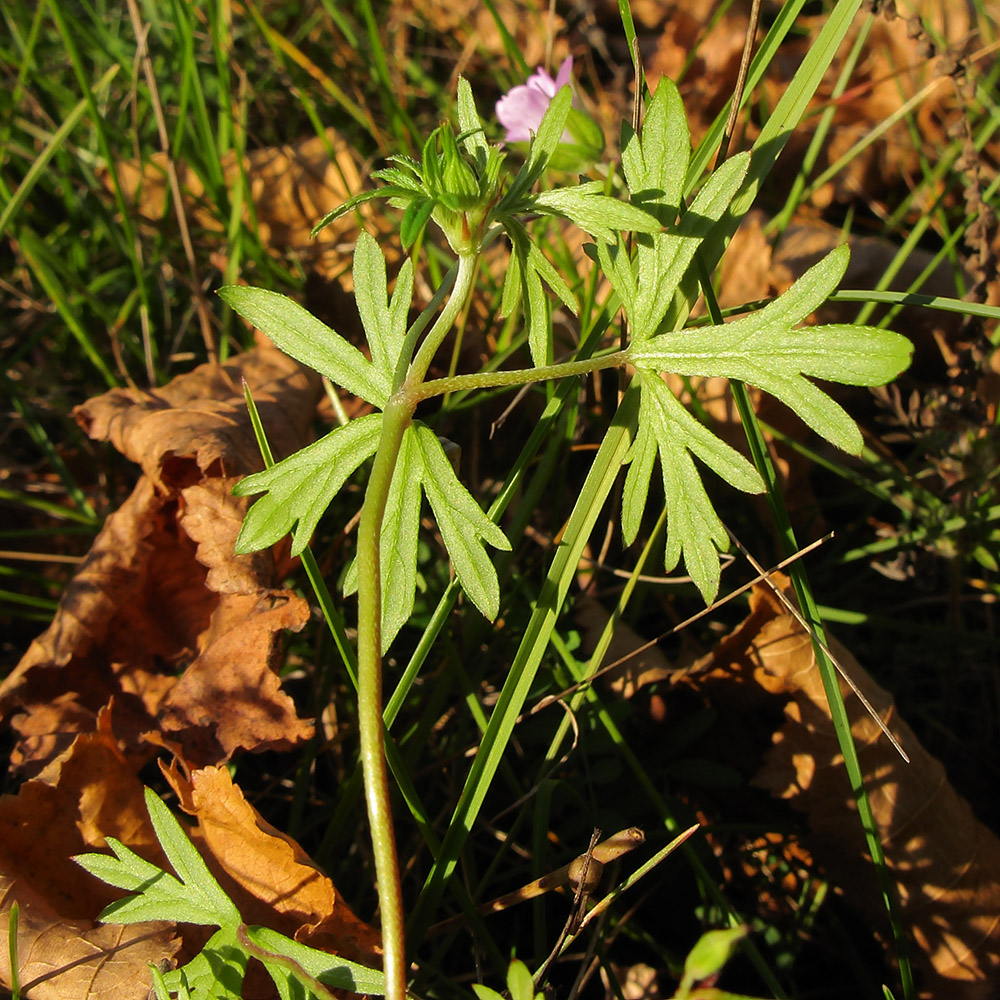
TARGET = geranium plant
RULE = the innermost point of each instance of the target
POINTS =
(463, 185)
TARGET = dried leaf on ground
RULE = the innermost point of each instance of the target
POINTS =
(87, 793)
(472, 28)
(946, 863)
(267, 874)
(291, 187)
(161, 591)
(703, 51)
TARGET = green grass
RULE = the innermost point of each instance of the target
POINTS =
(95, 296)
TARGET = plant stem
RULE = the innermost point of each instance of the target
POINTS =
(522, 376)
(396, 417)
(395, 420)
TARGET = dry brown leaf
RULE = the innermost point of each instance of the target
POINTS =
(472, 27)
(291, 188)
(161, 589)
(637, 668)
(268, 875)
(890, 71)
(632, 982)
(946, 864)
(84, 795)
(233, 684)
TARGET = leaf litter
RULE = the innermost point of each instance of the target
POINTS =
(165, 639)
(946, 864)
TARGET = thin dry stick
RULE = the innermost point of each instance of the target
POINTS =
(741, 80)
(571, 874)
(797, 615)
(204, 315)
(587, 881)
(599, 909)
(550, 699)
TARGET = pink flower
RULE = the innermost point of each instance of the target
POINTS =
(520, 111)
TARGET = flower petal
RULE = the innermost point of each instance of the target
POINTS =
(542, 82)
(521, 110)
(563, 76)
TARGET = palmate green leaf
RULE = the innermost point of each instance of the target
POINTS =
(594, 212)
(423, 465)
(463, 525)
(663, 259)
(216, 972)
(196, 898)
(765, 350)
(617, 268)
(298, 333)
(384, 320)
(655, 164)
(523, 282)
(667, 430)
(398, 542)
(300, 488)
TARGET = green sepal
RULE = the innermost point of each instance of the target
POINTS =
(415, 217)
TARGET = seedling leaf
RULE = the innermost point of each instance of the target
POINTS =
(196, 898)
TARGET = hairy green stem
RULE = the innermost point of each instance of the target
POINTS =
(396, 417)
(522, 376)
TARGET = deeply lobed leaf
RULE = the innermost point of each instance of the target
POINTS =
(765, 350)
(193, 898)
(300, 488)
(667, 430)
(307, 339)
(423, 465)
(384, 321)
